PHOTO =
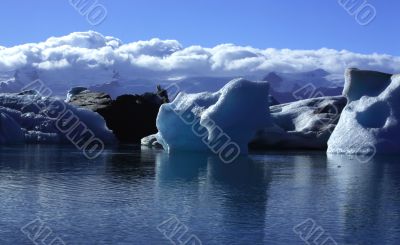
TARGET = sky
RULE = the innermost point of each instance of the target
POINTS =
(292, 24)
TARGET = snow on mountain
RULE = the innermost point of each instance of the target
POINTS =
(289, 87)
(92, 59)
(283, 82)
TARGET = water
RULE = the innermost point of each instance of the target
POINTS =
(123, 196)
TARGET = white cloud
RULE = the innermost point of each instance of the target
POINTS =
(91, 57)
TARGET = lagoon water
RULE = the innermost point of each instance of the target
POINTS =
(129, 194)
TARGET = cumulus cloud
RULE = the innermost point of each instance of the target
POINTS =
(93, 58)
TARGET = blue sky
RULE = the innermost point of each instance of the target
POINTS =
(294, 24)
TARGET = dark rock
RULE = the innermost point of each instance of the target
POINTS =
(130, 117)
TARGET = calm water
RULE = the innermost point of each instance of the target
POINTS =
(123, 196)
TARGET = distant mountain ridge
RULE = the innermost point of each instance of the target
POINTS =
(288, 87)
(282, 85)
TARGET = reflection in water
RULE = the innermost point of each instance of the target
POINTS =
(183, 166)
(244, 185)
(370, 198)
(218, 192)
(124, 194)
(131, 162)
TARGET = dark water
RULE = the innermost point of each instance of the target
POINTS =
(125, 195)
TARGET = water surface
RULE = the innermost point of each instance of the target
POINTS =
(123, 196)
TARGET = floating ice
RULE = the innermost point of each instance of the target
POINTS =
(305, 124)
(30, 118)
(369, 123)
(215, 121)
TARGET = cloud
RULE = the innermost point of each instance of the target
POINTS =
(91, 57)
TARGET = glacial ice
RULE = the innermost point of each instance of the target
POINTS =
(369, 123)
(30, 118)
(210, 121)
(304, 124)
(10, 132)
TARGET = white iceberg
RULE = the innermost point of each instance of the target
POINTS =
(369, 123)
(30, 118)
(226, 120)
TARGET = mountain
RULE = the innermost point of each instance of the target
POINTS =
(284, 82)
(14, 81)
(57, 83)
(284, 87)
(288, 87)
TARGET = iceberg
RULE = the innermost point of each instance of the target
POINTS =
(28, 117)
(150, 141)
(304, 124)
(10, 132)
(226, 120)
(369, 123)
